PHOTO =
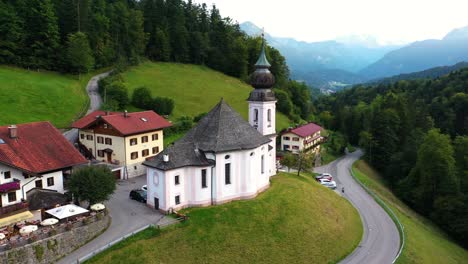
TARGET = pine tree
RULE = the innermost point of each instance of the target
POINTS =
(42, 35)
(11, 34)
(79, 56)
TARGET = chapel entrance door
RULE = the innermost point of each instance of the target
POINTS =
(156, 203)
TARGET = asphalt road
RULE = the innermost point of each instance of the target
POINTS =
(95, 102)
(381, 241)
(127, 216)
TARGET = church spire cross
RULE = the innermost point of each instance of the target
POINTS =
(262, 61)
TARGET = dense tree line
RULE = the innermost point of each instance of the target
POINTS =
(416, 134)
(79, 35)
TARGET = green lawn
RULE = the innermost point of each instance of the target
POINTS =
(195, 89)
(425, 242)
(295, 221)
(28, 96)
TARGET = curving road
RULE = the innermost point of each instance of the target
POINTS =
(95, 102)
(381, 240)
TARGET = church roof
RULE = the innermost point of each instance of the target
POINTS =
(221, 130)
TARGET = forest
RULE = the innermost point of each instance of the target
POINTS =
(76, 36)
(415, 133)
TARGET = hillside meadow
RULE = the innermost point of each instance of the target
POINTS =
(29, 96)
(195, 89)
(425, 242)
(295, 220)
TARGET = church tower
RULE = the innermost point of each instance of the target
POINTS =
(262, 106)
(262, 100)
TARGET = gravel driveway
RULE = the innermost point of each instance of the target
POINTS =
(127, 216)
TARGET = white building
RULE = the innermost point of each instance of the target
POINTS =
(306, 137)
(223, 158)
(32, 156)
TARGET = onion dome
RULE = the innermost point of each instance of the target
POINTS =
(262, 79)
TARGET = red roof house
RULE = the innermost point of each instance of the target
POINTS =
(306, 137)
(125, 123)
(122, 139)
(37, 148)
(33, 156)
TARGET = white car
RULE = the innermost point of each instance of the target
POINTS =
(322, 181)
(329, 184)
(144, 187)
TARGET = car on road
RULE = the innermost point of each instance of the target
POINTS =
(138, 195)
(324, 176)
(329, 184)
(144, 188)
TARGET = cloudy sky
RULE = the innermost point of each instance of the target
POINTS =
(390, 21)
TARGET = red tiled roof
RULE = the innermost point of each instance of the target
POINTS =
(90, 118)
(134, 123)
(39, 147)
(305, 130)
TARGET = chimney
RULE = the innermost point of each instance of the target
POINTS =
(107, 113)
(13, 131)
(166, 158)
(125, 114)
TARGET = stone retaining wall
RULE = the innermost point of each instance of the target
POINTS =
(51, 249)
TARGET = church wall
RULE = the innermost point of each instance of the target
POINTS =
(272, 157)
(155, 181)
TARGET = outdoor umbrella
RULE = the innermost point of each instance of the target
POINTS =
(49, 221)
(97, 207)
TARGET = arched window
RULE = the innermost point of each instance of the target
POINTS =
(269, 114)
(255, 115)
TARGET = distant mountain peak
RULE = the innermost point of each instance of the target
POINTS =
(458, 34)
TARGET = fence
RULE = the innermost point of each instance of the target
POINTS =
(389, 211)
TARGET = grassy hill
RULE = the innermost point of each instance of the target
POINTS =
(27, 96)
(295, 220)
(195, 89)
(425, 243)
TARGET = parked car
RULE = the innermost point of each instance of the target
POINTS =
(144, 188)
(329, 184)
(138, 195)
(324, 176)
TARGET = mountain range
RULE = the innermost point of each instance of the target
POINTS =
(345, 61)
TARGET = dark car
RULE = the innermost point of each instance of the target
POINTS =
(138, 195)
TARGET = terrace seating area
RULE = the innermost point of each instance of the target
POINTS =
(12, 236)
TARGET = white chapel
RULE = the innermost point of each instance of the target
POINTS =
(222, 158)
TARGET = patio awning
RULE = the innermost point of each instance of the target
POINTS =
(66, 211)
(15, 218)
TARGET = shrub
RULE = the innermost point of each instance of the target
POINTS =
(141, 98)
(39, 252)
(163, 105)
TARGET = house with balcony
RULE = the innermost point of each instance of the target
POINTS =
(32, 156)
(302, 138)
(122, 139)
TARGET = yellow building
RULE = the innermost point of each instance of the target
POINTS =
(123, 139)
